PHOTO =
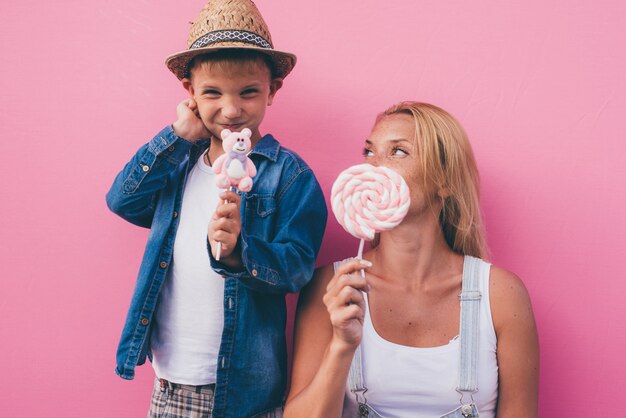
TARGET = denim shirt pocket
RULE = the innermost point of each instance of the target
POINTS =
(258, 218)
(262, 205)
(139, 172)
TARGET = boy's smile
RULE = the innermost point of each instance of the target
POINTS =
(232, 95)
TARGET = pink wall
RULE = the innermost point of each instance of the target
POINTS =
(538, 85)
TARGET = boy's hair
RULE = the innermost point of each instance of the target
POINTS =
(228, 60)
(446, 162)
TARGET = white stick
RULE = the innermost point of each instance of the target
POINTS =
(360, 255)
(219, 244)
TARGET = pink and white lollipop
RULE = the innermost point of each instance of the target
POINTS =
(368, 199)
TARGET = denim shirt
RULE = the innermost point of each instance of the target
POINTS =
(283, 220)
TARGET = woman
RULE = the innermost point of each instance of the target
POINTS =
(388, 344)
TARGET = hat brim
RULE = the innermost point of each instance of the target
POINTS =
(178, 63)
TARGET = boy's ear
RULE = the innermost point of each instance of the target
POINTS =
(275, 85)
(187, 85)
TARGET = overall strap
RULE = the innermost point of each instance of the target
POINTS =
(470, 320)
(355, 377)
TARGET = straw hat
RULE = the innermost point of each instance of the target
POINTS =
(229, 24)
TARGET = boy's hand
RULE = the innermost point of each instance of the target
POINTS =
(189, 125)
(225, 227)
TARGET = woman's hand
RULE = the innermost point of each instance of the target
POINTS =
(346, 305)
(328, 329)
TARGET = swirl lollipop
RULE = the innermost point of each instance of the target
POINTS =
(367, 199)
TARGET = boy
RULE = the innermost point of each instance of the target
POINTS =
(214, 330)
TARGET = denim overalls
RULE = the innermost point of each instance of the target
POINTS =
(470, 309)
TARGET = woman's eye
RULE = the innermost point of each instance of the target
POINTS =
(211, 93)
(367, 152)
(400, 152)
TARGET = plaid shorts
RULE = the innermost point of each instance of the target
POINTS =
(171, 400)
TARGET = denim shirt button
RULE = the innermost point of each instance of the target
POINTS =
(145, 321)
(175, 215)
(163, 264)
(145, 168)
(254, 272)
(171, 148)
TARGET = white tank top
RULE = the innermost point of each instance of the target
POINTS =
(415, 382)
(190, 316)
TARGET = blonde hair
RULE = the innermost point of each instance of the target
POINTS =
(448, 166)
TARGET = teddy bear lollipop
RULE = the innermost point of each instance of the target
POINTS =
(367, 199)
(234, 169)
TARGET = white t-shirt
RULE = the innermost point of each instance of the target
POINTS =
(190, 315)
(416, 382)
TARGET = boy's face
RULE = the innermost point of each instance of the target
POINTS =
(232, 95)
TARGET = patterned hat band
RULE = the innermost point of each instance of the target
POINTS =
(230, 36)
(229, 24)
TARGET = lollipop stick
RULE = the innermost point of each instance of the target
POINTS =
(360, 255)
(219, 250)
(219, 244)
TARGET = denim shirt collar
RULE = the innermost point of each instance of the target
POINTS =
(267, 147)
(203, 143)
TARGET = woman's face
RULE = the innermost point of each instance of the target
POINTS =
(392, 144)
